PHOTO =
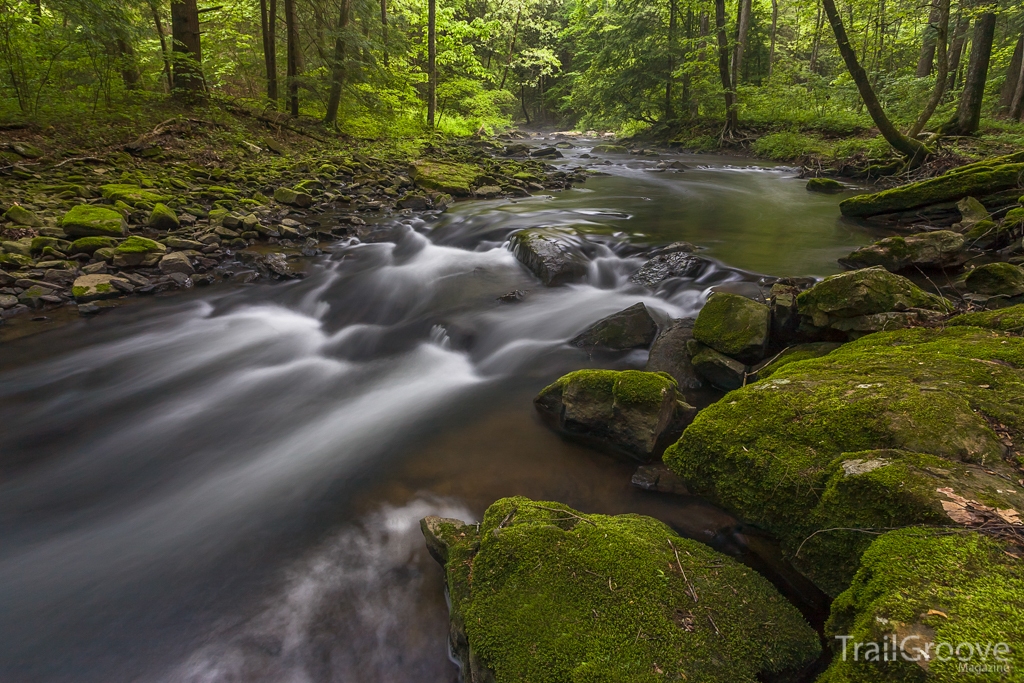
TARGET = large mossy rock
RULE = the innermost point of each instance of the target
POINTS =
(132, 194)
(19, 215)
(795, 354)
(1010, 319)
(996, 279)
(630, 328)
(542, 593)
(926, 587)
(974, 180)
(609, 149)
(863, 438)
(939, 249)
(866, 300)
(734, 325)
(629, 412)
(445, 176)
(85, 220)
(553, 255)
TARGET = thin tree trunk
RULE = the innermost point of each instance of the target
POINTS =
(522, 99)
(1010, 84)
(927, 56)
(775, 26)
(432, 61)
(731, 122)
(268, 17)
(291, 28)
(384, 29)
(956, 51)
(338, 70)
(129, 65)
(163, 46)
(968, 113)
(908, 147)
(671, 58)
(1017, 105)
(941, 38)
(817, 40)
(511, 48)
(186, 49)
(742, 28)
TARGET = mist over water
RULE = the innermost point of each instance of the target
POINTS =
(227, 485)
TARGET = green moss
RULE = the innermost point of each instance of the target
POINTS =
(824, 185)
(548, 595)
(733, 325)
(19, 215)
(139, 245)
(86, 220)
(795, 354)
(1014, 219)
(609, 149)
(15, 261)
(996, 279)
(945, 588)
(445, 176)
(1006, 319)
(863, 292)
(787, 146)
(975, 181)
(628, 387)
(163, 218)
(768, 451)
(131, 194)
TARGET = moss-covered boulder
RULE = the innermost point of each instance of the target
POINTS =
(936, 250)
(554, 255)
(629, 412)
(734, 325)
(15, 261)
(445, 176)
(866, 300)
(630, 328)
(50, 244)
(542, 593)
(22, 247)
(94, 287)
(941, 404)
(972, 212)
(89, 245)
(292, 197)
(825, 185)
(133, 195)
(609, 149)
(716, 368)
(19, 215)
(795, 354)
(924, 593)
(163, 218)
(1009, 319)
(969, 181)
(140, 245)
(996, 279)
(86, 220)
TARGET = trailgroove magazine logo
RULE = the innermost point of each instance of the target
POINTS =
(976, 658)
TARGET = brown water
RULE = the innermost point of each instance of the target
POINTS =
(226, 485)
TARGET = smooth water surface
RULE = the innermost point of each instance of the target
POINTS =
(226, 485)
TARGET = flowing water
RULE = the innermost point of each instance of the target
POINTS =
(226, 485)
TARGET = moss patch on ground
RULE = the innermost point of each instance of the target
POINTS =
(1009, 319)
(546, 594)
(771, 451)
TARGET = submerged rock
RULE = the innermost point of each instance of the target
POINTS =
(669, 353)
(553, 255)
(824, 185)
(864, 437)
(631, 412)
(542, 592)
(939, 249)
(630, 328)
(734, 325)
(679, 263)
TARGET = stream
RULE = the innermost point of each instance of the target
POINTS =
(226, 484)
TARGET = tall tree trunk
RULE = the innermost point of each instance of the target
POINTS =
(1010, 84)
(968, 113)
(1017, 104)
(817, 40)
(186, 49)
(908, 147)
(671, 58)
(511, 48)
(941, 38)
(775, 26)
(291, 29)
(129, 65)
(432, 62)
(927, 56)
(742, 28)
(163, 45)
(268, 15)
(384, 29)
(338, 69)
(731, 116)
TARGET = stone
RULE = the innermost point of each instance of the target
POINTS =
(286, 195)
(670, 354)
(8, 301)
(972, 212)
(182, 243)
(526, 583)
(176, 262)
(826, 185)
(414, 202)
(85, 220)
(996, 279)
(33, 296)
(19, 215)
(716, 368)
(546, 153)
(630, 412)
(795, 354)
(488, 192)
(95, 287)
(163, 218)
(133, 195)
(553, 255)
(735, 326)
(935, 250)
(609, 149)
(666, 265)
(659, 478)
(449, 177)
(630, 328)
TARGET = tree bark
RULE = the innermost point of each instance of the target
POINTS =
(268, 16)
(731, 116)
(129, 65)
(338, 70)
(941, 38)
(968, 113)
(511, 49)
(742, 28)
(186, 49)
(817, 40)
(432, 62)
(671, 58)
(163, 46)
(1017, 105)
(928, 43)
(775, 26)
(913, 150)
(291, 27)
(956, 51)
(1010, 84)
(384, 29)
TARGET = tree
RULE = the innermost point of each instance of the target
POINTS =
(939, 47)
(1017, 104)
(669, 114)
(775, 25)
(291, 27)
(432, 61)
(268, 21)
(968, 113)
(913, 150)
(929, 42)
(742, 28)
(338, 70)
(186, 49)
(163, 45)
(1010, 84)
(731, 116)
